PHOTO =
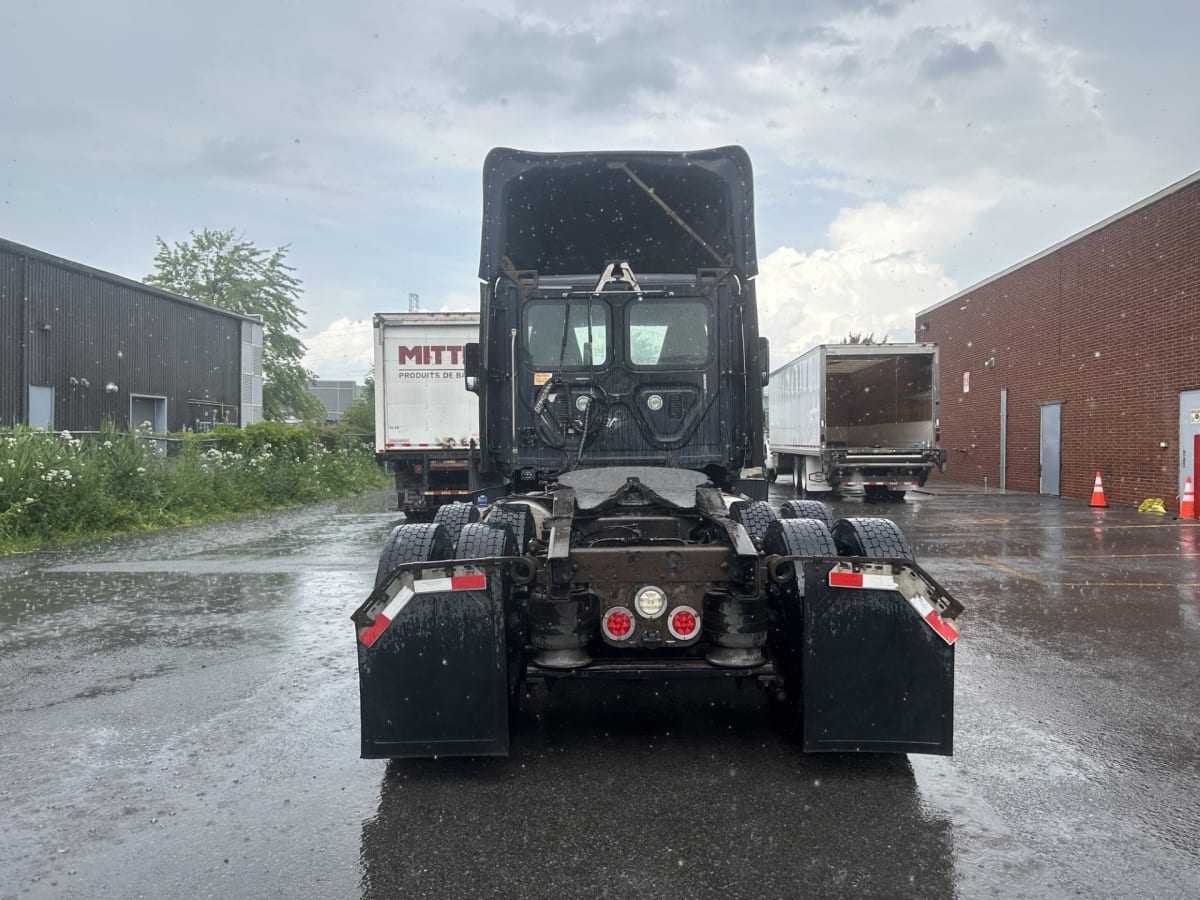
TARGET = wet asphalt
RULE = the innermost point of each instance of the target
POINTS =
(178, 718)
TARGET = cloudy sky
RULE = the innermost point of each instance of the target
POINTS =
(902, 150)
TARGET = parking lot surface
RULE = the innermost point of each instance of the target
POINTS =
(179, 719)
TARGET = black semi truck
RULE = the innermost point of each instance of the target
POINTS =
(620, 373)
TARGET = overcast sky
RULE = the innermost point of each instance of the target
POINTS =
(902, 150)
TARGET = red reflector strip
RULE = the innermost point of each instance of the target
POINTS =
(371, 633)
(388, 614)
(867, 581)
(943, 629)
(457, 583)
(444, 493)
(842, 578)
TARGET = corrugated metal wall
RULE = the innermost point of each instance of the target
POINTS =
(11, 383)
(98, 340)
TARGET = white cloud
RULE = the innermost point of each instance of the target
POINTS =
(340, 351)
(880, 268)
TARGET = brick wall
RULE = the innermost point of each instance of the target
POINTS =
(1109, 324)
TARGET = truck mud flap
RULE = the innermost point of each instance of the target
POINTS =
(878, 658)
(432, 663)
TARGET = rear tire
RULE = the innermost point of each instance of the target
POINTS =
(412, 543)
(871, 537)
(799, 537)
(755, 516)
(518, 518)
(453, 516)
(480, 540)
(807, 509)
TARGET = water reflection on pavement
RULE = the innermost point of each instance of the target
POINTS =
(179, 719)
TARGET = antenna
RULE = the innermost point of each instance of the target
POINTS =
(414, 302)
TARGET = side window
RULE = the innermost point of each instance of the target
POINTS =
(545, 347)
(668, 333)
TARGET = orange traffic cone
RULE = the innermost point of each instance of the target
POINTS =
(1187, 507)
(1098, 501)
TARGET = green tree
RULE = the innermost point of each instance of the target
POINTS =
(359, 416)
(857, 337)
(223, 269)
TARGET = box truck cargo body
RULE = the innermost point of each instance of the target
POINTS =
(426, 422)
(857, 417)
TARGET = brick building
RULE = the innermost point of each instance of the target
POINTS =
(1083, 358)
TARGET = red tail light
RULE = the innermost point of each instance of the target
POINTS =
(684, 623)
(418, 469)
(618, 623)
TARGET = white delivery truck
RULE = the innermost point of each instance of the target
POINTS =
(426, 421)
(858, 417)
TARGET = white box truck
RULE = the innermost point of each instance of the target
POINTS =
(857, 417)
(426, 421)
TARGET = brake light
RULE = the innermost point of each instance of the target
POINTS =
(418, 469)
(684, 623)
(618, 623)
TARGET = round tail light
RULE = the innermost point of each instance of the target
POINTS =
(618, 624)
(418, 469)
(650, 601)
(683, 623)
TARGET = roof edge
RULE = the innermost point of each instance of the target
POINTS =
(1170, 189)
(112, 277)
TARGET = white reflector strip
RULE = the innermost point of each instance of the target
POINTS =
(941, 627)
(866, 581)
(388, 614)
(457, 583)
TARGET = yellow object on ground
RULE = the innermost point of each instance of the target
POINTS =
(1152, 505)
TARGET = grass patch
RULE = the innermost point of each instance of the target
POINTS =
(58, 487)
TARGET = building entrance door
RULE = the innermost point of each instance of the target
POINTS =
(41, 406)
(1050, 458)
(143, 409)
(1189, 438)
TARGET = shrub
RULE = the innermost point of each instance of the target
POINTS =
(56, 486)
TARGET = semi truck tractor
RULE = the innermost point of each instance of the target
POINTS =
(857, 417)
(619, 371)
(426, 423)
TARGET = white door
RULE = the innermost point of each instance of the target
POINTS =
(41, 406)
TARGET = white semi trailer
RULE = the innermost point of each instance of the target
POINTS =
(426, 422)
(858, 417)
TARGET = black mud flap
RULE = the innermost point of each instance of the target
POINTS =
(754, 488)
(432, 667)
(878, 659)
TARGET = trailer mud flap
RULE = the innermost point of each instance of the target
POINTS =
(432, 664)
(878, 659)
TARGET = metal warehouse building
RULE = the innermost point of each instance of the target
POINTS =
(335, 396)
(1083, 358)
(78, 345)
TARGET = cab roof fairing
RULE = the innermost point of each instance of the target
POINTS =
(561, 213)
